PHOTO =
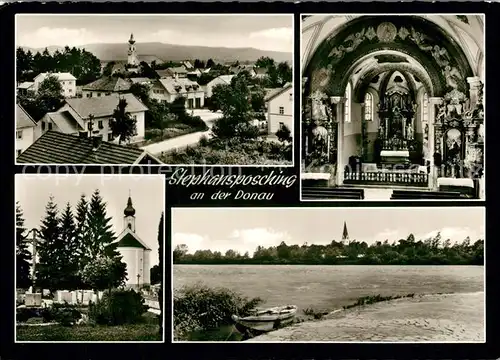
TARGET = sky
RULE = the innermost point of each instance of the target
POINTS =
(33, 192)
(243, 229)
(271, 32)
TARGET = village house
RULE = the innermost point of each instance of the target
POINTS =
(175, 87)
(195, 72)
(106, 86)
(54, 147)
(219, 80)
(279, 105)
(67, 81)
(135, 253)
(74, 116)
(25, 130)
(25, 87)
(240, 68)
(260, 73)
(179, 71)
(187, 64)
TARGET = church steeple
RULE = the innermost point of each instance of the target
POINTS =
(132, 52)
(129, 212)
(131, 41)
(345, 234)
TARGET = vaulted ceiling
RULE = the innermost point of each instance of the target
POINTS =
(338, 49)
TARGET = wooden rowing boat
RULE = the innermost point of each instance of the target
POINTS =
(268, 319)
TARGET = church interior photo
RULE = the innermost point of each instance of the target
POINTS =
(392, 107)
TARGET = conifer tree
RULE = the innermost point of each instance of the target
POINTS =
(160, 259)
(49, 269)
(69, 251)
(23, 256)
(82, 233)
(102, 238)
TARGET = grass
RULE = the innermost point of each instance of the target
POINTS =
(368, 300)
(137, 332)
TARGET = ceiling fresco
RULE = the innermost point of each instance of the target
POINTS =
(439, 55)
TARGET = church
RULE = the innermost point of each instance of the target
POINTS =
(392, 107)
(135, 253)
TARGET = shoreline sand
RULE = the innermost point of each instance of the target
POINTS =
(443, 317)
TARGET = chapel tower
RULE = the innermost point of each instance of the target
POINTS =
(129, 218)
(345, 235)
(132, 52)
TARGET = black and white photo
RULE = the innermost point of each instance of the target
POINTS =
(329, 274)
(89, 258)
(154, 89)
(392, 107)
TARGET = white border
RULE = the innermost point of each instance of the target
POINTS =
(425, 16)
(408, 208)
(163, 279)
(292, 17)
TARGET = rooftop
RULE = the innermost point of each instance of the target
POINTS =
(58, 148)
(65, 76)
(104, 105)
(178, 86)
(272, 93)
(108, 83)
(23, 119)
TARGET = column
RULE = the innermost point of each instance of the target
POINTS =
(431, 110)
(339, 108)
(475, 85)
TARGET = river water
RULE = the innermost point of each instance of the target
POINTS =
(326, 288)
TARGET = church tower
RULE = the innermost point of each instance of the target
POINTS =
(132, 52)
(345, 235)
(129, 218)
(135, 252)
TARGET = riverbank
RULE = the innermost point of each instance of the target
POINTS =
(444, 317)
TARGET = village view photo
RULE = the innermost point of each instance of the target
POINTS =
(329, 274)
(154, 89)
(89, 258)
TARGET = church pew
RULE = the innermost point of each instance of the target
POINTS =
(310, 193)
(425, 195)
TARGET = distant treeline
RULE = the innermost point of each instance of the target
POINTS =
(83, 65)
(432, 251)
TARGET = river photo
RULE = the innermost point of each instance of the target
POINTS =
(405, 275)
(330, 287)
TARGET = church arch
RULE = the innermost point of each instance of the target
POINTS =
(442, 58)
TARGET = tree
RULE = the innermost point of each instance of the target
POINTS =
(155, 274)
(48, 98)
(123, 125)
(179, 252)
(161, 230)
(284, 134)
(141, 91)
(264, 62)
(69, 259)
(102, 245)
(50, 248)
(210, 63)
(23, 256)
(108, 69)
(102, 273)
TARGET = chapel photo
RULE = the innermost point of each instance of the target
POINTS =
(89, 258)
(392, 107)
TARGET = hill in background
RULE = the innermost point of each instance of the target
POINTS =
(170, 52)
